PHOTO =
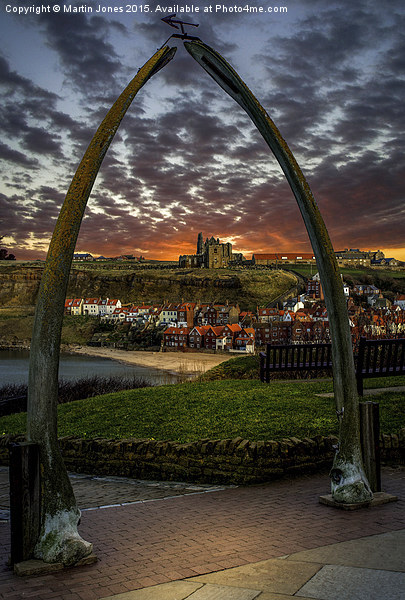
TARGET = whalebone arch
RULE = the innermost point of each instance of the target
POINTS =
(58, 539)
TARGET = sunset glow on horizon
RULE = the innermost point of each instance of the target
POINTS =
(186, 158)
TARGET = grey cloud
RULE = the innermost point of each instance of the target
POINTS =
(14, 156)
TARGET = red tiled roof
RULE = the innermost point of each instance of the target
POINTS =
(177, 330)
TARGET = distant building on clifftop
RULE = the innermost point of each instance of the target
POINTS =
(211, 254)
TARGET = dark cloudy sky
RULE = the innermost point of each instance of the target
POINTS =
(186, 158)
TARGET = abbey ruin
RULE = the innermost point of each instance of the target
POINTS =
(211, 254)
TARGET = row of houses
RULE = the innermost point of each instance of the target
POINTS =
(94, 307)
(372, 324)
(285, 328)
(185, 314)
(226, 338)
(225, 327)
(346, 257)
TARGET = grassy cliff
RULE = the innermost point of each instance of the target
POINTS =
(19, 284)
(16, 327)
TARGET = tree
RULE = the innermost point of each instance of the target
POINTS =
(4, 255)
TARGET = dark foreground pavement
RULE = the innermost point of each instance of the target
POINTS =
(228, 544)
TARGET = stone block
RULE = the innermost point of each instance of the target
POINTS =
(378, 499)
(32, 567)
(272, 448)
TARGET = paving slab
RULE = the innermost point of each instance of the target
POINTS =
(383, 551)
(271, 596)
(177, 590)
(221, 592)
(335, 582)
(273, 575)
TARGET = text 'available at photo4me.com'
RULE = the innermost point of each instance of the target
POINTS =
(118, 6)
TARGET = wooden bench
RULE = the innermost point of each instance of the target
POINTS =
(379, 358)
(376, 358)
(294, 357)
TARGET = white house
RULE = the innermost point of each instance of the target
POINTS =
(112, 305)
(168, 314)
(293, 304)
(102, 307)
(90, 306)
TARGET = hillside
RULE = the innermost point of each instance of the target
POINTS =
(19, 284)
(16, 327)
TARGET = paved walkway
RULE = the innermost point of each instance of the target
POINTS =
(101, 492)
(228, 544)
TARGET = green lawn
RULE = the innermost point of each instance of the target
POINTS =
(212, 409)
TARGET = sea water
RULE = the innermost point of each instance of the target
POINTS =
(14, 365)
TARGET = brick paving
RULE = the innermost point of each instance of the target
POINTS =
(154, 542)
(93, 492)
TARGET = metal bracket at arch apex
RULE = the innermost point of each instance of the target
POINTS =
(178, 24)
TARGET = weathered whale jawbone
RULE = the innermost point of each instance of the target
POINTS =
(58, 538)
(348, 484)
(60, 541)
(353, 485)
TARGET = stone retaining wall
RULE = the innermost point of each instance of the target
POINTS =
(236, 461)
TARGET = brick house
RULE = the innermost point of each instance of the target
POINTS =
(247, 318)
(226, 340)
(211, 337)
(227, 313)
(197, 336)
(245, 340)
(314, 289)
(176, 337)
(186, 312)
(301, 332)
(262, 333)
(199, 317)
(232, 329)
(280, 332)
(211, 315)
(319, 313)
(265, 315)
(365, 290)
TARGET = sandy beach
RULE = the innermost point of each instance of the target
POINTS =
(175, 362)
